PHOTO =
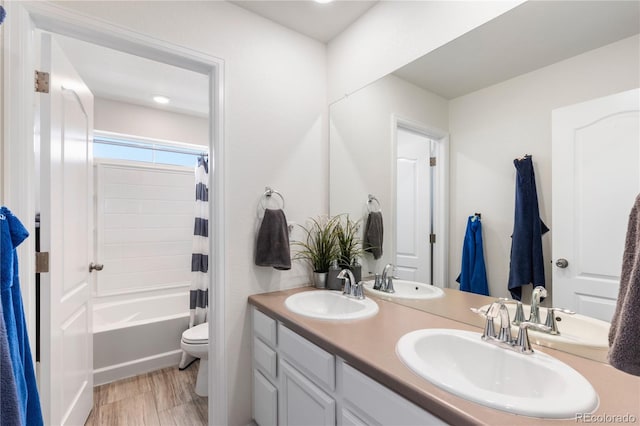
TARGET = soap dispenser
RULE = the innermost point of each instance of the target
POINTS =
(333, 282)
(356, 268)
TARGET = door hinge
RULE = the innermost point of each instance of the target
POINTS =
(42, 262)
(432, 161)
(432, 238)
(41, 82)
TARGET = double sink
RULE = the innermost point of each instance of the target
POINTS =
(463, 364)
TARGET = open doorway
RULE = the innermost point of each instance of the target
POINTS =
(55, 392)
(421, 203)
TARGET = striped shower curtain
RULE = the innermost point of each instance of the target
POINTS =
(199, 290)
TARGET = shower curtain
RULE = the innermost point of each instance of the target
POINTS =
(199, 290)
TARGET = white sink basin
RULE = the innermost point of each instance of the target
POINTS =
(407, 290)
(330, 305)
(462, 363)
(574, 329)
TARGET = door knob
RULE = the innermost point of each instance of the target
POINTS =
(562, 263)
(95, 266)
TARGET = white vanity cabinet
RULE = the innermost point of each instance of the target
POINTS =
(296, 382)
(265, 374)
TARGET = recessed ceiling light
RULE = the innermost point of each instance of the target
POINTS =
(323, 1)
(161, 99)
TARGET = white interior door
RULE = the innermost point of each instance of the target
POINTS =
(66, 361)
(596, 177)
(413, 216)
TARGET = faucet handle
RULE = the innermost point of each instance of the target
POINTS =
(377, 283)
(357, 290)
(519, 315)
(390, 288)
(489, 329)
(551, 319)
(518, 318)
(522, 341)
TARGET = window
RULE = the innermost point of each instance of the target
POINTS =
(148, 151)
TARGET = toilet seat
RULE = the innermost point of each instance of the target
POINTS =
(198, 335)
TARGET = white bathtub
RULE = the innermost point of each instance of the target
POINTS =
(139, 335)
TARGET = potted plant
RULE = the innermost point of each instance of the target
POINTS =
(319, 247)
(349, 244)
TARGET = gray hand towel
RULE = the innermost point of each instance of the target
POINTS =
(272, 246)
(624, 335)
(373, 234)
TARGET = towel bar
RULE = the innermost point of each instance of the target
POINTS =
(370, 199)
(268, 192)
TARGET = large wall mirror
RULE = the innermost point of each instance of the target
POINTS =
(476, 104)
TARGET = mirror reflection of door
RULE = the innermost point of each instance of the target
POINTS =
(414, 204)
(596, 177)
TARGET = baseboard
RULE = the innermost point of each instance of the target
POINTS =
(136, 367)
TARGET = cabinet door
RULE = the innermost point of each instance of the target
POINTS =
(302, 402)
(265, 401)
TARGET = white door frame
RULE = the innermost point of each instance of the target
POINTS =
(18, 166)
(440, 192)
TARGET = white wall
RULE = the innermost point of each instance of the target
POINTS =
(491, 127)
(393, 33)
(137, 120)
(362, 150)
(275, 134)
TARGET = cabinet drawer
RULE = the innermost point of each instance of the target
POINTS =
(312, 360)
(264, 327)
(265, 401)
(266, 358)
(376, 404)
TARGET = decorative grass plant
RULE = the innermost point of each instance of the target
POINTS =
(320, 246)
(349, 243)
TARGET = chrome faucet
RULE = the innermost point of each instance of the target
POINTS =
(351, 287)
(538, 292)
(499, 308)
(387, 281)
(550, 321)
(504, 340)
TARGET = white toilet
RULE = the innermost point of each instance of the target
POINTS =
(195, 342)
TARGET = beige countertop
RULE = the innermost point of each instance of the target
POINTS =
(457, 307)
(369, 346)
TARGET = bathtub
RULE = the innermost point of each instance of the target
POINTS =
(135, 336)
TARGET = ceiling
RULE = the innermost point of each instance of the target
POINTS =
(530, 36)
(319, 21)
(119, 76)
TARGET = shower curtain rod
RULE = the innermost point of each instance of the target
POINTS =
(152, 148)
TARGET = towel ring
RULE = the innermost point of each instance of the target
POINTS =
(370, 199)
(268, 192)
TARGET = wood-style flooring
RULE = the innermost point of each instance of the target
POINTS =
(162, 397)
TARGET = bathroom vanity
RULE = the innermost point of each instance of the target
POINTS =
(297, 382)
(310, 371)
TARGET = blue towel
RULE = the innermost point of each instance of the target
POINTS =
(9, 405)
(526, 264)
(473, 274)
(12, 233)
